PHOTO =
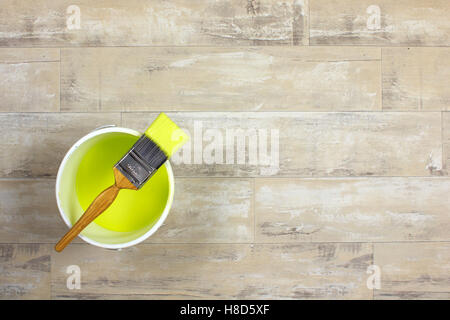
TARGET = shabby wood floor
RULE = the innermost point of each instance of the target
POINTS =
(358, 89)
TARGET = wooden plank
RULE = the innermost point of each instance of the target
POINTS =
(205, 79)
(310, 144)
(34, 144)
(413, 270)
(352, 209)
(209, 210)
(30, 80)
(28, 212)
(401, 22)
(165, 271)
(80, 79)
(204, 210)
(28, 55)
(416, 79)
(25, 271)
(138, 23)
(446, 141)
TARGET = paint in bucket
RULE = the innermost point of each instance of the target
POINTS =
(87, 170)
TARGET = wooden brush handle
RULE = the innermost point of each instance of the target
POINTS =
(100, 204)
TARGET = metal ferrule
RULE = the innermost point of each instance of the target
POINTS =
(142, 161)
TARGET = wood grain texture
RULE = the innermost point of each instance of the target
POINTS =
(307, 271)
(353, 209)
(28, 212)
(29, 80)
(413, 270)
(402, 22)
(34, 144)
(205, 210)
(205, 79)
(208, 210)
(416, 79)
(24, 271)
(318, 144)
(137, 23)
(446, 142)
(360, 117)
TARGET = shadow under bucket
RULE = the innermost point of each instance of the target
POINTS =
(87, 169)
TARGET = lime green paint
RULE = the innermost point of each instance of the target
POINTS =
(132, 210)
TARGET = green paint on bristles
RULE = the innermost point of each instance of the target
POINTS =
(166, 134)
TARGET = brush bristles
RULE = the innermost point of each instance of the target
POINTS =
(166, 134)
(142, 161)
(150, 152)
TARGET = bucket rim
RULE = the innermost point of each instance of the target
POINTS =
(159, 222)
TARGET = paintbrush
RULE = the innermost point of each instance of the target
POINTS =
(156, 145)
